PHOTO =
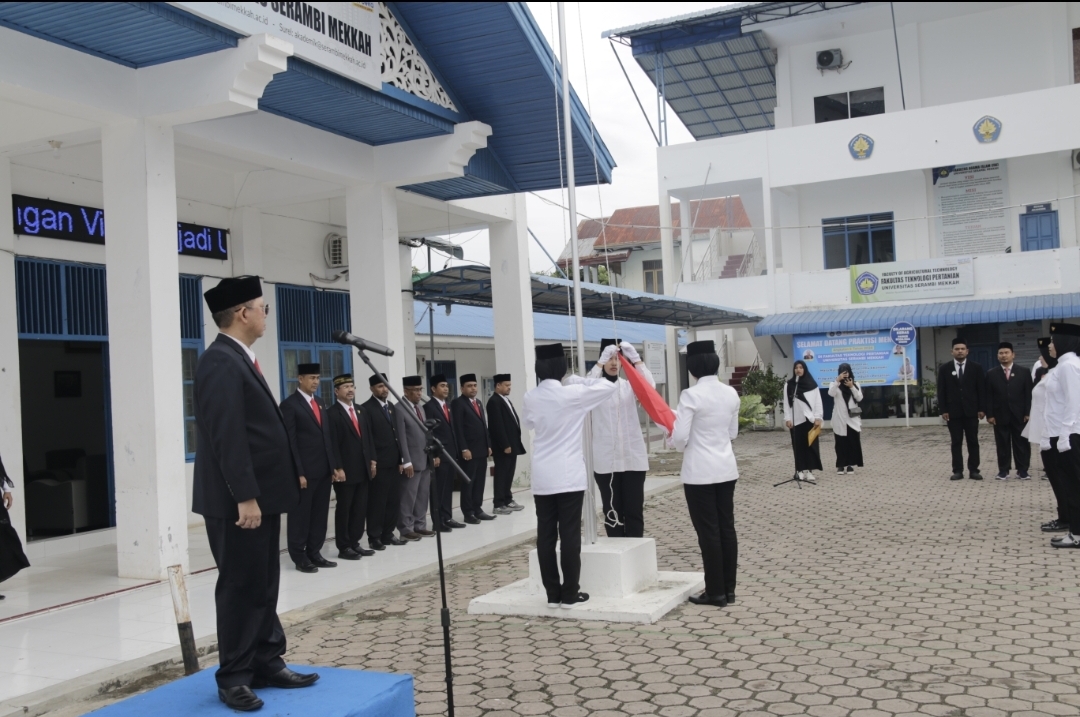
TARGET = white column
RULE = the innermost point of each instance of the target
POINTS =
(671, 275)
(246, 238)
(686, 242)
(139, 173)
(10, 396)
(408, 348)
(770, 235)
(375, 278)
(512, 307)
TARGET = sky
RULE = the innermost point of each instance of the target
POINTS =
(598, 81)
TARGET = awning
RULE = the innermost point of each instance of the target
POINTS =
(946, 313)
(471, 285)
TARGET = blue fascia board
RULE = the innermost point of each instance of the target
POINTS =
(421, 104)
(680, 36)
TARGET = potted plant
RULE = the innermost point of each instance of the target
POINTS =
(769, 387)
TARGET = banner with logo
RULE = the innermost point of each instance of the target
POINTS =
(908, 280)
(875, 359)
(342, 37)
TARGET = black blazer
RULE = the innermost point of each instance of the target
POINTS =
(470, 430)
(1008, 402)
(380, 443)
(348, 446)
(244, 450)
(444, 430)
(313, 443)
(503, 427)
(966, 400)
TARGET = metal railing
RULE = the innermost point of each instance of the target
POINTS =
(752, 262)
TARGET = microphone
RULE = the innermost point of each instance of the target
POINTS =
(344, 337)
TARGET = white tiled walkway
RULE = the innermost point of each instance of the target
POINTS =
(102, 630)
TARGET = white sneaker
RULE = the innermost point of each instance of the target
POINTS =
(809, 478)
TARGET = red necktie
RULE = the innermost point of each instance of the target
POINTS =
(355, 423)
(446, 412)
(257, 367)
(476, 407)
(315, 408)
(418, 413)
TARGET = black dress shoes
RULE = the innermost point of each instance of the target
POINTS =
(241, 698)
(484, 516)
(307, 567)
(363, 551)
(454, 524)
(975, 475)
(706, 599)
(472, 520)
(286, 679)
(348, 554)
(731, 598)
(321, 562)
(377, 545)
(397, 541)
(579, 598)
(956, 476)
(445, 529)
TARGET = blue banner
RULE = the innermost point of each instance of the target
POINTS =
(875, 359)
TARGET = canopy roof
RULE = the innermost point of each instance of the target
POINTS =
(471, 285)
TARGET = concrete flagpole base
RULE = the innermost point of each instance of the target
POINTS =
(620, 576)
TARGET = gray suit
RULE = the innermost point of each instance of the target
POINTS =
(415, 491)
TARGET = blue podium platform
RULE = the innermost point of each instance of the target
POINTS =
(338, 693)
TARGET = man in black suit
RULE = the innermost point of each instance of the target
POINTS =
(471, 432)
(309, 429)
(384, 465)
(347, 428)
(438, 410)
(962, 397)
(1008, 393)
(504, 429)
(246, 476)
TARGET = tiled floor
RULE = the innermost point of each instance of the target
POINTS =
(43, 650)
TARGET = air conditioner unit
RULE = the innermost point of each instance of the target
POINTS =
(336, 251)
(829, 59)
(1076, 158)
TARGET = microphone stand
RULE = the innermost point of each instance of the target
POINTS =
(434, 448)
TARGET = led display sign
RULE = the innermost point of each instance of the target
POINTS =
(71, 222)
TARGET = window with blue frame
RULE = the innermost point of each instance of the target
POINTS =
(306, 319)
(191, 347)
(863, 239)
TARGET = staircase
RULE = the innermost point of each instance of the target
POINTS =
(737, 375)
(731, 267)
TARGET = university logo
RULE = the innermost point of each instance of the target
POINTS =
(987, 129)
(861, 146)
(866, 284)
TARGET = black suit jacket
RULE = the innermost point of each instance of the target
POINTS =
(444, 430)
(1008, 402)
(348, 445)
(380, 443)
(470, 430)
(503, 427)
(312, 439)
(962, 400)
(244, 449)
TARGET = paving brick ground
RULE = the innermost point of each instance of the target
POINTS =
(891, 592)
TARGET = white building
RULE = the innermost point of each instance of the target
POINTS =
(148, 150)
(943, 144)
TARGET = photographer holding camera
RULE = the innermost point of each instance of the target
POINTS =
(847, 420)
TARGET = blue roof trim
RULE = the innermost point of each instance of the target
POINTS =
(484, 175)
(422, 104)
(133, 34)
(313, 96)
(947, 313)
(392, 6)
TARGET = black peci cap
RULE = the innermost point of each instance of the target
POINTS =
(549, 351)
(700, 347)
(308, 369)
(232, 291)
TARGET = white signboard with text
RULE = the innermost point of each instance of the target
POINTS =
(910, 280)
(970, 201)
(342, 37)
(655, 357)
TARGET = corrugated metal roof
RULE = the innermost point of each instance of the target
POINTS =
(945, 313)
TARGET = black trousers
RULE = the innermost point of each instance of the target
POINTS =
(959, 429)
(1068, 467)
(849, 449)
(623, 496)
(807, 457)
(1061, 497)
(558, 519)
(250, 639)
(384, 504)
(1010, 444)
(472, 494)
(505, 465)
(307, 522)
(442, 494)
(712, 511)
(350, 515)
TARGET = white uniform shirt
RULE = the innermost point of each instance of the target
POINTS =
(1062, 413)
(556, 414)
(618, 445)
(706, 421)
(1035, 430)
(841, 417)
(800, 410)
